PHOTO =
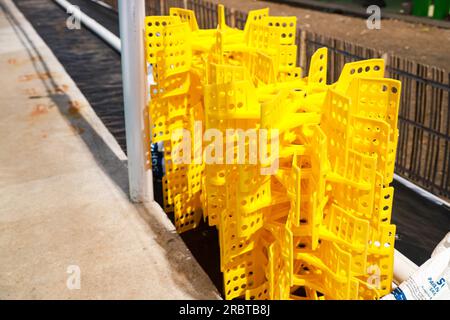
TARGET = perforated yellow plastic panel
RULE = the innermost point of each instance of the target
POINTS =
(373, 68)
(318, 68)
(185, 16)
(154, 29)
(316, 226)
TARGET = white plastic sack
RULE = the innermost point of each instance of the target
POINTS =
(431, 280)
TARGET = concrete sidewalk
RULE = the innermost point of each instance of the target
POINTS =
(63, 192)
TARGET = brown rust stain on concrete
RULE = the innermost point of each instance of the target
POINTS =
(62, 88)
(39, 110)
(19, 62)
(34, 76)
(76, 129)
(74, 109)
(32, 93)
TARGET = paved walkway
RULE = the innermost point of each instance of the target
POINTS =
(63, 193)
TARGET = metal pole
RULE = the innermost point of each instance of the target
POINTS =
(134, 77)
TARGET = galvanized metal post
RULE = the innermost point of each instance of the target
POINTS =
(134, 77)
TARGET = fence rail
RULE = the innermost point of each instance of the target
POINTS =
(423, 153)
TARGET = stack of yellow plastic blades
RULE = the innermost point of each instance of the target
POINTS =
(294, 173)
(174, 108)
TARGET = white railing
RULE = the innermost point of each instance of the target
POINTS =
(91, 24)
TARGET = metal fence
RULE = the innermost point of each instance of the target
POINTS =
(423, 154)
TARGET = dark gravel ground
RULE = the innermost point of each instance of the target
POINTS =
(95, 67)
